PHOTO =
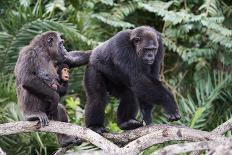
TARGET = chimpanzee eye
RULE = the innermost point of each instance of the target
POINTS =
(61, 44)
(50, 40)
(137, 40)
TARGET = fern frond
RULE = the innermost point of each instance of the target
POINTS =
(56, 4)
(108, 2)
(211, 7)
(123, 10)
(216, 27)
(221, 39)
(171, 16)
(110, 20)
(28, 31)
(174, 17)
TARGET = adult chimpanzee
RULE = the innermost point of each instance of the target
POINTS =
(127, 66)
(37, 99)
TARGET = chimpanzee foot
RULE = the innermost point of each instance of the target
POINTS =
(130, 124)
(41, 117)
(70, 140)
(174, 117)
(99, 130)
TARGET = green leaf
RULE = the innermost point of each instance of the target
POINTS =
(198, 114)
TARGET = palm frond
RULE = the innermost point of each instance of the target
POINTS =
(28, 31)
(109, 19)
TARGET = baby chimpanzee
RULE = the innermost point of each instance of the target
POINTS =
(61, 82)
(61, 87)
(63, 72)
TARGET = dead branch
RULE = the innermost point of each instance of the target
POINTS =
(187, 147)
(162, 131)
(223, 128)
(197, 146)
(135, 141)
(62, 128)
(169, 133)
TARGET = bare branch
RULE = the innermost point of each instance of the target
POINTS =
(169, 133)
(222, 149)
(137, 140)
(187, 147)
(162, 131)
(62, 128)
(223, 128)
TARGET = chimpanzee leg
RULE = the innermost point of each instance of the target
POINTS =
(146, 110)
(153, 92)
(96, 100)
(64, 140)
(127, 111)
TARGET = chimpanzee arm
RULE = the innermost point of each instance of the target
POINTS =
(33, 83)
(77, 58)
(36, 86)
(62, 89)
(156, 66)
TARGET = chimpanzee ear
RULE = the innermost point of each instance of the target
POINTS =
(134, 38)
(50, 40)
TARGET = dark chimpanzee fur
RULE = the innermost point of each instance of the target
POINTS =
(62, 86)
(127, 66)
(37, 100)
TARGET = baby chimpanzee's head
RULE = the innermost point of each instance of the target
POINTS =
(145, 40)
(63, 71)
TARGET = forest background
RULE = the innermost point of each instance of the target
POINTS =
(197, 36)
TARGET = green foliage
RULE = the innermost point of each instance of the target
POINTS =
(198, 63)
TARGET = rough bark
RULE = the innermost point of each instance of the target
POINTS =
(134, 141)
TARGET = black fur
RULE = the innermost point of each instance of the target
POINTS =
(127, 66)
(77, 58)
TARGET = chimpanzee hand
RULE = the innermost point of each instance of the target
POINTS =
(54, 86)
(40, 116)
(173, 116)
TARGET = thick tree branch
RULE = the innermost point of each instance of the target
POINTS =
(170, 133)
(223, 128)
(162, 131)
(187, 147)
(137, 140)
(197, 146)
(62, 128)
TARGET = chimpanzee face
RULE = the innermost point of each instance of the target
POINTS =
(55, 46)
(65, 74)
(146, 43)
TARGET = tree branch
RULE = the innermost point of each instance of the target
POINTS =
(162, 131)
(169, 133)
(62, 128)
(223, 128)
(137, 140)
(197, 146)
(184, 148)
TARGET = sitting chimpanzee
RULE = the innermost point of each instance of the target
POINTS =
(127, 66)
(37, 100)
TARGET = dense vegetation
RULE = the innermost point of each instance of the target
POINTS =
(198, 63)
